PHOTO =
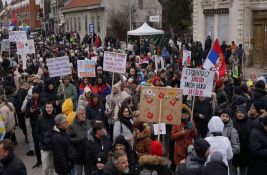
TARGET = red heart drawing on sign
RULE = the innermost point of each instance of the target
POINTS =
(173, 102)
(149, 100)
(185, 78)
(161, 95)
(170, 117)
(150, 115)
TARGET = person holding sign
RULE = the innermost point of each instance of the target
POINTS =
(183, 135)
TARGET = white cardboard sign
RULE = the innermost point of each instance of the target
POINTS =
(159, 128)
(17, 36)
(114, 62)
(58, 66)
(86, 68)
(197, 82)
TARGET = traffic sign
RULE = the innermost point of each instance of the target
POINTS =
(91, 28)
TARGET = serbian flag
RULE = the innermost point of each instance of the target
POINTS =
(215, 59)
(14, 19)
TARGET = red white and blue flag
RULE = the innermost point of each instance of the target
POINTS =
(215, 59)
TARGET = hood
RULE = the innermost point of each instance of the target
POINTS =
(229, 124)
(215, 125)
(152, 162)
(67, 106)
(193, 159)
(258, 92)
(145, 133)
(142, 76)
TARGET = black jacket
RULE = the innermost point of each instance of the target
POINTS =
(93, 147)
(96, 113)
(205, 109)
(63, 152)
(78, 135)
(12, 165)
(258, 150)
(44, 130)
(9, 85)
(21, 94)
(216, 168)
(260, 97)
(33, 111)
(243, 130)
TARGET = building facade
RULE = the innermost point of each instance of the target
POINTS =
(26, 11)
(242, 21)
(78, 14)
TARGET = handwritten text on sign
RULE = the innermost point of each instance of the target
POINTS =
(197, 82)
(114, 62)
(86, 68)
(58, 66)
(17, 36)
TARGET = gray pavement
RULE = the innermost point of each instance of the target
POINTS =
(21, 150)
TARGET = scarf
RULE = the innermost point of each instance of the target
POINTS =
(127, 122)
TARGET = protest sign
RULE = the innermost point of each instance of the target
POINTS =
(58, 66)
(30, 48)
(94, 59)
(186, 58)
(5, 45)
(114, 62)
(25, 47)
(86, 68)
(17, 36)
(160, 131)
(154, 99)
(197, 82)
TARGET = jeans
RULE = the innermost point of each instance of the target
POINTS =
(47, 162)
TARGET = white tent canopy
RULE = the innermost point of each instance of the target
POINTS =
(145, 29)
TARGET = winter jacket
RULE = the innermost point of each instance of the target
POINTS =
(9, 85)
(151, 163)
(258, 150)
(205, 109)
(92, 147)
(44, 130)
(243, 128)
(219, 143)
(67, 109)
(48, 94)
(216, 168)
(8, 116)
(12, 165)
(142, 141)
(122, 129)
(33, 109)
(78, 135)
(94, 113)
(182, 141)
(222, 98)
(21, 94)
(231, 133)
(63, 152)
(259, 97)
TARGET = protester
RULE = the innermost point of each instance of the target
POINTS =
(11, 164)
(68, 110)
(142, 139)
(101, 161)
(117, 165)
(78, 134)
(63, 152)
(216, 166)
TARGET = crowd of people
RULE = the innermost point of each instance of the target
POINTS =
(86, 126)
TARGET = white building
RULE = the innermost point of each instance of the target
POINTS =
(242, 21)
(78, 14)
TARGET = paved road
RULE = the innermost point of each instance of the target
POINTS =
(21, 150)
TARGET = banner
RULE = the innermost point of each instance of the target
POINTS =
(170, 105)
(197, 82)
(114, 62)
(30, 46)
(58, 66)
(17, 36)
(186, 58)
(86, 68)
(5, 45)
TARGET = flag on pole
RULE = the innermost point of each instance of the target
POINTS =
(215, 59)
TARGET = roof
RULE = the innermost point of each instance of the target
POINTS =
(81, 3)
(145, 29)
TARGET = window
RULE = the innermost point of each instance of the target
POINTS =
(98, 24)
(79, 23)
(223, 27)
(85, 23)
(210, 26)
(93, 20)
(140, 4)
(75, 24)
(67, 25)
(71, 24)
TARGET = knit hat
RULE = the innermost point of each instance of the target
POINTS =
(226, 111)
(155, 79)
(60, 118)
(139, 125)
(219, 84)
(97, 125)
(120, 139)
(156, 148)
(87, 90)
(257, 106)
(201, 146)
(241, 109)
(101, 157)
(240, 100)
(35, 90)
(216, 157)
(260, 84)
